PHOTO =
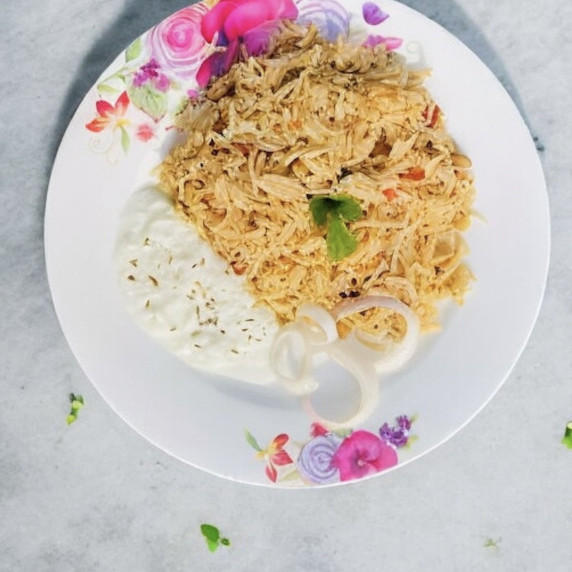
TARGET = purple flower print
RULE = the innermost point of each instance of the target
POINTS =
(398, 435)
(373, 14)
(315, 462)
(329, 16)
(404, 422)
(149, 73)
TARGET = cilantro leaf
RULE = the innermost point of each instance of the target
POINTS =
(334, 211)
(213, 537)
(567, 439)
(319, 209)
(339, 240)
(347, 207)
(344, 205)
(77, 403)
(210, 532)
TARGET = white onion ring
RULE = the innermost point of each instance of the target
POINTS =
(300, 382)
(400, 352)
(322, 319)
(314, 331)
(364, 373)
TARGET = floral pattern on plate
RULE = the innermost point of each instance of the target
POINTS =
(176, 58)
(333, 456)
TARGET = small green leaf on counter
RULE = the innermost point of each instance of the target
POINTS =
(210, 532)
(213, 537)
(492, 543)
(334, 211)
(77, 403)
(567, 439)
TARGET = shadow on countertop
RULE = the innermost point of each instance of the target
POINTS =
(139, 15)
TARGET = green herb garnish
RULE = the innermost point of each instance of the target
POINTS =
(333, 212)
(213, 537)
(76, 404)
(492, 543)
(567, 439)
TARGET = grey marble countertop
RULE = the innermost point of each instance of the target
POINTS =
(95, 496)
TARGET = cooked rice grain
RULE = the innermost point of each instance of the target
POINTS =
(316, 118)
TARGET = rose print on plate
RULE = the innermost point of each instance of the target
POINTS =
(177, 45)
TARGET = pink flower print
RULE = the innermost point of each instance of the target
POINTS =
(257, 40)
(361, 454)
(145, 132)
(177, 45)
(232, 22)
(231, 19)
(109, 115)
(390, 43)
(217, 64)
(374, 15)
(317, 430)
(212, 23)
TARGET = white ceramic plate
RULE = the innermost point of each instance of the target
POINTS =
(229, 428)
